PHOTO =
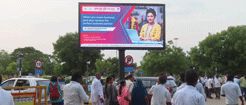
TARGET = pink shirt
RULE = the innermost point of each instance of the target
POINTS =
(121, 99)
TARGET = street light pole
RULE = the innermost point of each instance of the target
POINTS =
(176, 39)
(88, 62)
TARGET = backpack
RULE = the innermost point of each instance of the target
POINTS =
(54, 93)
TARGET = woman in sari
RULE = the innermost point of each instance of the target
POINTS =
(123, 94)
(110, 92)
(139, 94)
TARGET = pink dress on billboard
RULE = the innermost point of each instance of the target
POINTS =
(121, 99)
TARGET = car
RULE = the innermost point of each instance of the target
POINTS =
(20, 82)
(148, 82)
(27, 77)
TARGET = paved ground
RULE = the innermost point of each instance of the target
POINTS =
(218, 102)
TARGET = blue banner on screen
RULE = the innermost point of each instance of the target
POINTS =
(103, 25)
(128, 69)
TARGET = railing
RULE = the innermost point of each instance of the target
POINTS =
(40, 88)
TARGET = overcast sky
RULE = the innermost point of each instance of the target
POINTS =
(39, 23)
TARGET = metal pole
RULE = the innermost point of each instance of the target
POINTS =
(87, 71)
(176, 39)
(20, 69)
(122, 64)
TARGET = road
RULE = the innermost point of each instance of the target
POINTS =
(218, 102)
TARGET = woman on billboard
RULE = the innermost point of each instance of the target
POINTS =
(151, 30)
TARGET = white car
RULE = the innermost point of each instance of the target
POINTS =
(20, 82)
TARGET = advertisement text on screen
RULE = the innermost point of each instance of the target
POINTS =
(100, 9)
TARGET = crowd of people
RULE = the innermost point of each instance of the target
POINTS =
(192, 91)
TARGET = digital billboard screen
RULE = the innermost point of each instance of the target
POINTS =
(114, 26)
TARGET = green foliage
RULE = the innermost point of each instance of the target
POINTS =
(104, 66)
(67, 81)
(5, 60)
(225, 50)
(57, 69)
(171, 60)
(46, 77)
(66, 51)
(110, 66)
(12, 69)
(29, 56)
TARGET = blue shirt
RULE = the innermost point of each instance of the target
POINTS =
(59, 89)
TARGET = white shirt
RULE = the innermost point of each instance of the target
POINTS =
(217, 82)
(209, 83)
(231, 91)
(74, 94)
(206, 82)
(171, 77)
(160, 95)
(96, 90)
(188, 96)
(129, 85)
(181, 86)
(200, 89)
(235, 80)
(202, 79)
(5, 97)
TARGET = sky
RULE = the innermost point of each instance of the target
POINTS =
(39, 23)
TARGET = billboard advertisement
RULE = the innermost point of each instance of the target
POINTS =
(114, 26)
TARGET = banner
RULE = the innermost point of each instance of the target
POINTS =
(121, 26)
(24, 98)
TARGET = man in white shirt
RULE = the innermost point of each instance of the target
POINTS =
(199, 86)
(189, 95)
(97, 97)
(171, 77)
(129, 84)
(206, 85)
(5, 97)
(160, 95)
(236, 80)
(200, 89)
(74, 93)
(217, 85)
(231, 91)
(182, 79)
(210, 88)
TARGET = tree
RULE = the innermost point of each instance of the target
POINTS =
(225, 51)
(12, 69)
(30, 55)
(104, 67)
(66, 51)
(5, 60)
(171, 60)
(110, 66)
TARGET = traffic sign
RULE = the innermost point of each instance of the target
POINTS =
(19, 68)
(128, 69)
(141, 73)
(38, 64)
(38, 72)
(128, 60)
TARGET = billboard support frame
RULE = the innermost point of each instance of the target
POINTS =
(122, 63)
